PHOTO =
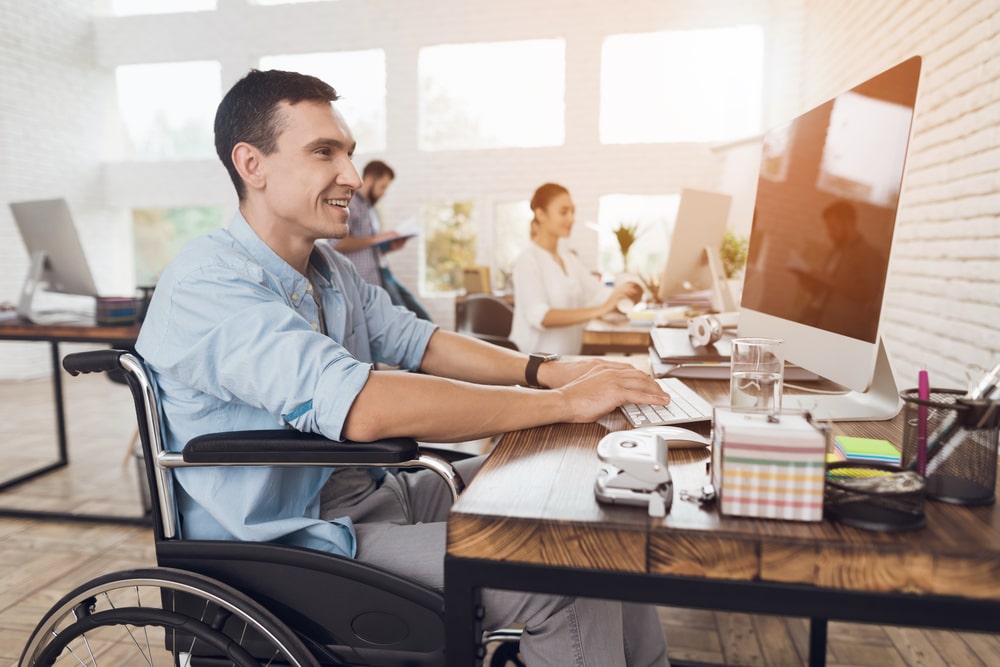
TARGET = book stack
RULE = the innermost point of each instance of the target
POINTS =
(112, 310)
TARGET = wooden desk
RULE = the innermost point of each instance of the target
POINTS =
(604, 336)
(529, 521)
(54, 334)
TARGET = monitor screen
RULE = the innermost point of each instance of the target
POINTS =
(701, 222)
(827, 194)
(56, 257)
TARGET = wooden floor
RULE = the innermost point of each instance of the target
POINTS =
(43, 559)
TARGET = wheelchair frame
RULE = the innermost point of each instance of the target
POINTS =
(247, 603)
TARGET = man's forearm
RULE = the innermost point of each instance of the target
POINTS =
(441, 410)
(460, 357)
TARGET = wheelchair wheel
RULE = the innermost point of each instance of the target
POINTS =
(162, 616)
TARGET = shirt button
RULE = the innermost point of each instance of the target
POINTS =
(309, 288)
(295, 297)
(314, 326)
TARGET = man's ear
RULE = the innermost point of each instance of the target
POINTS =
(247, 163)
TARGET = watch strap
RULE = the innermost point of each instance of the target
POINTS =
(531, 370)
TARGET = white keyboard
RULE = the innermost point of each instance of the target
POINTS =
(686, 406)
(59, 317)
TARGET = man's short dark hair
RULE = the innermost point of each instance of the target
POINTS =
(377, 169)
(249, 112)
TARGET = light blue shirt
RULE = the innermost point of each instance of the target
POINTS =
(233, 341)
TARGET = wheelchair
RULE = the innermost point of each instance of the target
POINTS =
(209, 603)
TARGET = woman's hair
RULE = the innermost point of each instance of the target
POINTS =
(541, 199)
(545, 194)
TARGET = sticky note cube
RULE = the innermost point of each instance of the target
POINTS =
(769, 469)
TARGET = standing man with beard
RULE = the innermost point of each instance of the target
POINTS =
(367, 243)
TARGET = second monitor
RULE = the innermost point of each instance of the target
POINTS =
(701, 222)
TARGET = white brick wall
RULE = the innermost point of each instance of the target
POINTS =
(53, 105)
(943, 301)
(56, 69)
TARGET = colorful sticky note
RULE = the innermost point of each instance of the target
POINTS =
(867, 449)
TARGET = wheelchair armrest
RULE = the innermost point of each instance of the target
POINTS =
(285, 446)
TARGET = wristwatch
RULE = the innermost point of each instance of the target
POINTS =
(531, 370)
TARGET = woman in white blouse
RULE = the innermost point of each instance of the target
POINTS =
(555, 295)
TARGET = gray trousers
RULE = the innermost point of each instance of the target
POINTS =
(400, 525)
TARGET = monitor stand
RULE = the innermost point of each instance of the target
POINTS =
(33, 283)
(879, 403)
(36, 270)
(723, 300)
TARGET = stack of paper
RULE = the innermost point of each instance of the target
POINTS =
(873, 450)
(645, 316)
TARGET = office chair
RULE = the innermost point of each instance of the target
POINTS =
(488, 318)
(245, 603)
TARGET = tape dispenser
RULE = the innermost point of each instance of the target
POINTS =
(635, 471)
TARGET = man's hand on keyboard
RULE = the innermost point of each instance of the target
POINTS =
(605, 387)
(566, 370)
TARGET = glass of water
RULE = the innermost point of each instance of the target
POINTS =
(757, 369)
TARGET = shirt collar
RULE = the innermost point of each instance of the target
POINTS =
(291, 280)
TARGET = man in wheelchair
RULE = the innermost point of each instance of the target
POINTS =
(258, 327)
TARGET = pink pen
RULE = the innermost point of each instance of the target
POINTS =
(924, 394)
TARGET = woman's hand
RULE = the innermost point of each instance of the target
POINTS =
(629, 290)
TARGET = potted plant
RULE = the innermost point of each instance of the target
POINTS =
(626, 233)
(734, 260)
(734, 253)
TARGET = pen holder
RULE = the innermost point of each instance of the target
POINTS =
(961, 436)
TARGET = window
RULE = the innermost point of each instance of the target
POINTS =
(775, 149)
(492, 95)
(160, 233)
(865, 149)
(683, 86)
(358, 77)
(511, 235)
(449, 246)
(136, 7)
(168, 109)
(654, 216)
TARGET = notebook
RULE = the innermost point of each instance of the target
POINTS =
(673, 345)
(672, 355)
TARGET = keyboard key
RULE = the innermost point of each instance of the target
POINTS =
(686, 406)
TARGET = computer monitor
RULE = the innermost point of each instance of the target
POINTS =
(701, 223)
(819, 248)
(56, 257)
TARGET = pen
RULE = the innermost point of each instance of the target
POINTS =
(982, 389)
(924, 394)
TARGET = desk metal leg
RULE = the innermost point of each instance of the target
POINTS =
(463, 614)
(57, 390)
(817, 642)
(60, 427)
(61, 462)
